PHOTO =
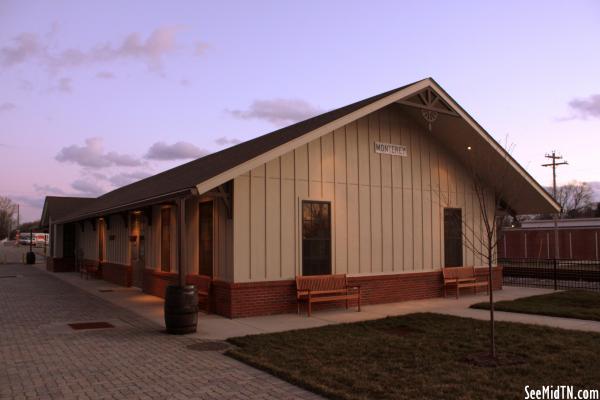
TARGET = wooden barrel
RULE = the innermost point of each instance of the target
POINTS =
(30, 257)
(181, 309)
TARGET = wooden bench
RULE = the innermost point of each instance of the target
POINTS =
(203, 283)
(461, 277)
(87, 269)
(325, 288)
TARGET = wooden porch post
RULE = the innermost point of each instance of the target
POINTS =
(180, 239)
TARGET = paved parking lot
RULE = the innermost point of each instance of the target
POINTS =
(42, 357)
(11, 253)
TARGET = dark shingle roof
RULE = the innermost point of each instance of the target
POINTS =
(187, 176)
(56, 207)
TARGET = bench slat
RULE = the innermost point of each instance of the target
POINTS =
(323, 288)
(461, 277)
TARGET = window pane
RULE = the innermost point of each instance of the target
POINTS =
(316, 238)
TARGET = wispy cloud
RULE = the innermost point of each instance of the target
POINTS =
(150, 50)
(64, 85)
(48, 190)
(175, 151)
(225, 141)
(200, 48)
(278, 111)
(585, 108)
(92, 154)
(7, 107)
(31, 201)
(25, 47)
(125, 178)
(87, 187)
(105, 75)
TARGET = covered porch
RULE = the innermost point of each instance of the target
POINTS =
(185, 237)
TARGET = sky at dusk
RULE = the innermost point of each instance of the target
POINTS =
(98, 94)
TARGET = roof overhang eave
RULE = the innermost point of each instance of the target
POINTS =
(129, 206)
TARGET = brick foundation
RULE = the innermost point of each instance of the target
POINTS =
(155, 282)
(117, 273)
(55, 264)
(235, 300)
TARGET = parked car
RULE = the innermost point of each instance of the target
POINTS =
(24, 238)
(39, 239)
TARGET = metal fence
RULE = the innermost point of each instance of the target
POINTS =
(551, 273)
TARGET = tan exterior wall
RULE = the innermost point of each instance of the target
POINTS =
(117, 241)
(387, 210)
(153, 239)
(57, 240)
(87, 240)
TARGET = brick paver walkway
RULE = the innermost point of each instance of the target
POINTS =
(42, 357)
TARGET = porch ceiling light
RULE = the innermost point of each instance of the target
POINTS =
(469, 147)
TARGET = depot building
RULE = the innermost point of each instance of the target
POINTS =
(365, 190)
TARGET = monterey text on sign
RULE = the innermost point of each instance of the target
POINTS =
(391, 149)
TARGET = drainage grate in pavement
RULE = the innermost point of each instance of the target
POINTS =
(209, 346)
(105, 290)
(90, 325)
(8, 276)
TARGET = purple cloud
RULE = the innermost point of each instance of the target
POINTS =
(87, 187)
(278, 111)
(25, 46)
(588, 107)
(92, 155)
(150, 50)
(200, 48)
(125, 178)
(225, 141)
(48, 190)
(31, 201)
(175, 151)
(64, 85)
(7, 107)
(105, 75)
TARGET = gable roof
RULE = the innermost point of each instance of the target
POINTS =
(57, 207)
(215, 169)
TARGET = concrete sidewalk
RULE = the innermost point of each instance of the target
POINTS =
(215, 327)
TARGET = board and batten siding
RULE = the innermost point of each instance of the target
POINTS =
(387, 211)
(87, 239)
(57, 240)
(116, 241)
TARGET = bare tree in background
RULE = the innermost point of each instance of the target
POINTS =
(573, 198)
(492, 204)
(8, 210)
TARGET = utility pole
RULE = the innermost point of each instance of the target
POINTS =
(553, 156)
(18, 222)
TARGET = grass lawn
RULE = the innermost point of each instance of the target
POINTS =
(423, 356)
(570, 304)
